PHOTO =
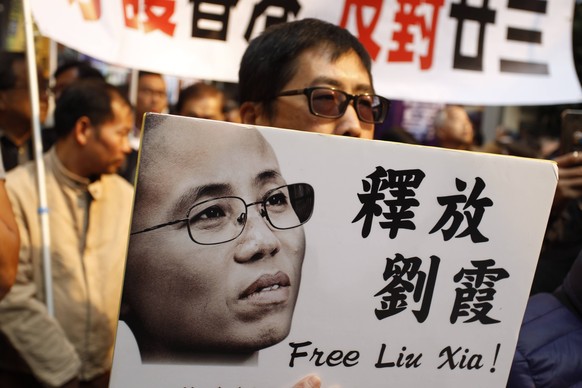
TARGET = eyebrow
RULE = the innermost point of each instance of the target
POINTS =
(189, 197)
(214, 190)
(266, 176)
(362, 87)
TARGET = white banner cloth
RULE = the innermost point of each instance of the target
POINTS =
(495, 52)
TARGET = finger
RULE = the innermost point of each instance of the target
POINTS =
(570, 172)
(309, 381)
(570, 159)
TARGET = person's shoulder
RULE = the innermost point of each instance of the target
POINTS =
(20, 176)
(549, 332)
(548, 327)
(117, 186)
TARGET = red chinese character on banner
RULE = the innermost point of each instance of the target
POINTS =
(90, 9)
(157, 12)
(407, 16)
(364, 31)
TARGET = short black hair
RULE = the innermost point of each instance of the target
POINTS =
(270, 60)
(143, 73)
(197, 90)
(89, 97)
(84, 69)
(7, 76)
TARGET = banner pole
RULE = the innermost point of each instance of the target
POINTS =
(37, 141)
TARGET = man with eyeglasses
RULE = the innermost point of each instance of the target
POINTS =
(216, 247)
(312, 76)
(151, 96)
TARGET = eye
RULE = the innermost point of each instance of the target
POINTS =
(208, 213)
(326, 95)
(366, 102)
(276, 199)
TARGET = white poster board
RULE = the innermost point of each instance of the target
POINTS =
(417, 264)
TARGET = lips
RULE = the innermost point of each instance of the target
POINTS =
(268, 289)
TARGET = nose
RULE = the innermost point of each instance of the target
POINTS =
(349, 124)
(257, 241)
(125, 146)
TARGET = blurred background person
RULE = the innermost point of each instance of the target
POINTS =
(15, 109)
(563, 238)
(90, 214)
(152, 96)
(549, 348)
(64, 75)
(9, 238)
(70, 71)
(201, 100)
(232, 111)
(453, 129)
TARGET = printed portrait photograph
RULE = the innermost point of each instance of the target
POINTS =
(216, 247)
(237, 276)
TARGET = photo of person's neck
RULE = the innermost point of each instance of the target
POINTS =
(217, 244)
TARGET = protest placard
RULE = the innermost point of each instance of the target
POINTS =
(259, 255)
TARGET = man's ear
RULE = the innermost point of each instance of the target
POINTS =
(248, 112)
(83, 130)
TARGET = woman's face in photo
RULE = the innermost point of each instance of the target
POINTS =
(236, 296)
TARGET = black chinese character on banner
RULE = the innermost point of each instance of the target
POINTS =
(405, 278)
(525, 36)
(399, 185)
(473, 211)
(287, 7)
(202, 13)
(476, 292)
(482, 15)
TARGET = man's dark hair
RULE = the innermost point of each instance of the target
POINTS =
(84, 69)
(143, 73)
(197, 90)
(270, 60)
(89, 97)
(7, 76)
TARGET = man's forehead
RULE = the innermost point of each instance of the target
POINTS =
(318, 66)
(151, 79)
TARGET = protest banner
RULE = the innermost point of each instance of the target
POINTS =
(491, 53)
(259, 255)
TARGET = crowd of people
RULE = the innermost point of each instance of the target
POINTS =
(317, 79)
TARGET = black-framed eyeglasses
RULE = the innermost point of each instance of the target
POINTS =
(220, 220)
(332, 103)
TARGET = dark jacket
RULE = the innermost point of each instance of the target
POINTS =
(549, 348)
